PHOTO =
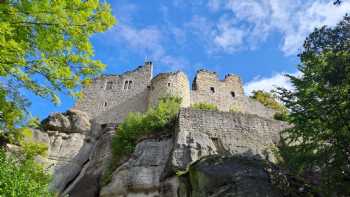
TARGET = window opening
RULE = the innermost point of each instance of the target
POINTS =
(233, 94)
(212, 89)
(129, 86)
(109, 85)
(169, 84)
(105, 104)
(126, 85)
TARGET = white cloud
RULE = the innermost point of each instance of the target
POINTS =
(145, 40)
(269, 83)
(229, 38)
(148, 41)
(294, 19)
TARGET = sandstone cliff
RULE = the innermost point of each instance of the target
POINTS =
(175, 164)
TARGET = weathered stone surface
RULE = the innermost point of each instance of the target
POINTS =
(69, 143)
(229, 176)
(140, 175)
(87, 184)
(73, 121)
(110, 98)
(80, 121)
(80, 151)
(201, 133)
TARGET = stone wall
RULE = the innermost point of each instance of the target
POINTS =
(203, 132)
(207, 88)
(110, 98)
(170, 84)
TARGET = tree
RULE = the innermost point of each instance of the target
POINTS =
(320, 109)
(269, 100)
(45, 48)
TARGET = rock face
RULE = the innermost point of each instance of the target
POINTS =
(79, 152)
(152, 169)
(229, 176)
(69, 140)
(87, 184)
(220, 151)
(141, 174)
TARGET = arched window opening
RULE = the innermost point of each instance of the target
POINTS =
(129, 86)
(105, 104)
(168, 84)
(212, 89)
(126, 85)
(233, 94)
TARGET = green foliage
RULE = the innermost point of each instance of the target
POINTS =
(269, 100)
(22, 178)
(137, 125)
(320, 110)
(10, 115)
(34, 123)
(234, 109)
(282, 116)
(204, 106)
(45, 48)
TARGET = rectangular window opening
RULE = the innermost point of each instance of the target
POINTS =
(212, 89)
(129, 86)
(109, 85)
(126, 85)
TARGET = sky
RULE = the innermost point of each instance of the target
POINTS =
(256, 39)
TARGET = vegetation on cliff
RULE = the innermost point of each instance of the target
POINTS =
(204, 106)
(157, 120)
(269, 100)
(137, 125)
(20, 174)
(319, 141)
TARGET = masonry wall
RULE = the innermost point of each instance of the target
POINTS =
(110, 98)
(170, 84)
(227, 94)
(207, 88)
(205, 132)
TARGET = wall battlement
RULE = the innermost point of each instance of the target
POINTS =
(111, 97)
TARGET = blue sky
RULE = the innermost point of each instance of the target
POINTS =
(255, 39)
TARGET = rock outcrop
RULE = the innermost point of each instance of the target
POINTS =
(79, 152)
(219, 153)
(141, 174)
(69, 143)
(88, 183)
(238, 176)
(153, 168)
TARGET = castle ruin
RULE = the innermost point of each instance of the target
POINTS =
(111, 97)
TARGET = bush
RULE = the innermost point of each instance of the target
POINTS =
(22, 177)
(281, 116)
(269, 100)
(204, 106)
(137, 125)
(234, 109)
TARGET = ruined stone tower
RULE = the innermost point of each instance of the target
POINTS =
(111, 97)
(208, 88)
(170, 84)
